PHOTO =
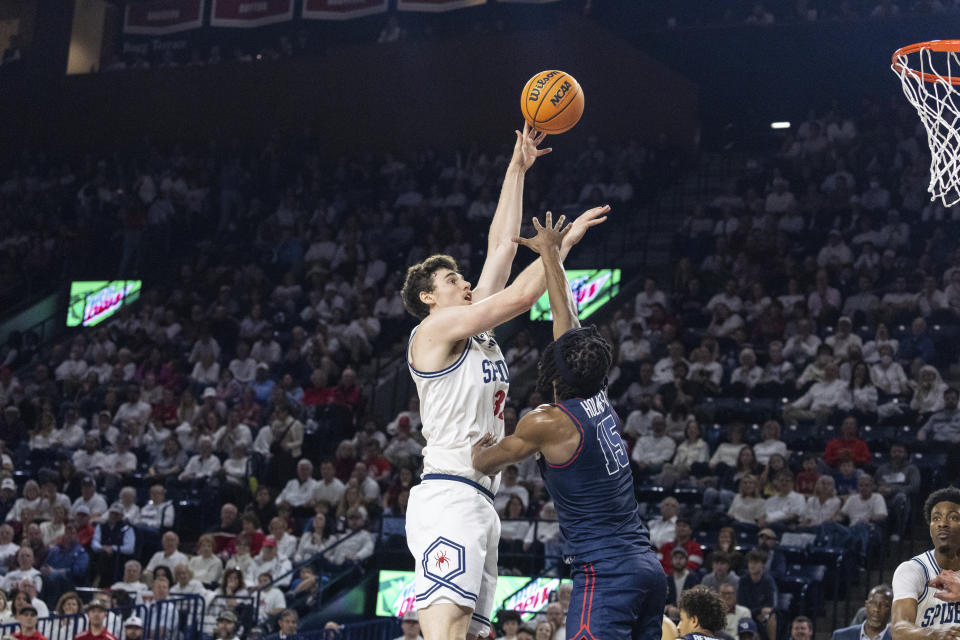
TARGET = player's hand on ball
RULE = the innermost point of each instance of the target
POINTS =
(549, 237)
(947, 584)
(526, 150)
(587, 219)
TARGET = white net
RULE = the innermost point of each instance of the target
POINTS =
(926, 75)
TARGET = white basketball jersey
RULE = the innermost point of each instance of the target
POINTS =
(910, 581)
(459, 404)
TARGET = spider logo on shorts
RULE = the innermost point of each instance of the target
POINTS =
(441, 558)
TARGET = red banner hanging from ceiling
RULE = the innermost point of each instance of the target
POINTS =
(341, 9)
(250, 13)
(160, 17)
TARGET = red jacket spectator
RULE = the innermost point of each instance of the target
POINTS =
(694, 555)
(847, 445)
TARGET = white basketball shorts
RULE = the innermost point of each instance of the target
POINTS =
(453, 532)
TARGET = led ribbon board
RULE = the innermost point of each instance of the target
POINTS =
(395, 594)
(592, 288)
(93, 301)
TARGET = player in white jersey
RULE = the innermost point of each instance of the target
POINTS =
(462, 378)
(919, 610)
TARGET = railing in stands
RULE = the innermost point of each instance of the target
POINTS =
(176, 618)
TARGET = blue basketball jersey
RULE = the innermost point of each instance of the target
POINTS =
(696, 636)
(593, 490)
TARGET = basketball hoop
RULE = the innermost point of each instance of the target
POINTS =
(930, 75)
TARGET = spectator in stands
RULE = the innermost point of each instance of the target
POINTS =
(270, 600)
(158, 512)
(898, 481)
(131, 582)
(684, 539)
(67, 564)
(680, 578)
(127, 502)
(403, 449)
(203, 468)
(918, 346)
(720, 573)
(184, 582)
(943, 425)
(747, 506)
(27, 618)
(169, 556)
(356, 544)
(24, 570)
(821, 400)
(205, 566)
(801, 628)
(269, 561)
(653, 451)
(878, 606)
(509, 486)
(847, 445)
(865, 510)
(96, 629)
(757, 591)
(163, 616)
(771, 443)
(299, 492)
(737, 614)
(92, 500)
(113, 543)
(824, 505)
(30, 500)
(778, 374)
(663, 527)
(133, 628)
(786, 507)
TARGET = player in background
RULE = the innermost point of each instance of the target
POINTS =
(918, 612)
(462, 380)
(703, 614)
(619, 589)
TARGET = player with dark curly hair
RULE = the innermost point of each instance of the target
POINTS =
(919, 609)
(703, 613)
(585, 468)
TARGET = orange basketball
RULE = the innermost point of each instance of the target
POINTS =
(552, 102)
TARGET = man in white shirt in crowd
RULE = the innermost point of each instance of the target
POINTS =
(243, 367)
(158, 513)
(269, 561)
(122, 461)
(802, 346)
(72, 369)
(663, 370)
(163, 618)
(844, 338)
(92, 500)
(735, 612)
(131, 583)
(640, 420)
(357, 543)
(329, 488)
(169, 556)
(24, 571)
(410, 625)
(298, 492)
(368, 486)
(821, 399)
(865, 302)
(89, 459)
(204, 465)
(836, 252)
(133, 412)
(663, 528)
(865, 510)
(652, 451)
(787, 506)
(728, 297)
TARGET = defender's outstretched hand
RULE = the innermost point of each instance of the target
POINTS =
(526, 150)
(549, 237)
(587, 219)
(947, 584)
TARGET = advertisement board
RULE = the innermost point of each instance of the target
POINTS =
(592, 288)
(93, 301)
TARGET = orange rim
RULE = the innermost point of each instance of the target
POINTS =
(942, 46)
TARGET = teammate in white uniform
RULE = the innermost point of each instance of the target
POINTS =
(462, 378)
(919, 610)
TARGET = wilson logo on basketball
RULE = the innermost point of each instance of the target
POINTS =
(441, 559)
(562, 91)
(540, 84)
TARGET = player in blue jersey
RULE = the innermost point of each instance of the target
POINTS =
(619, 588)
(703, 614)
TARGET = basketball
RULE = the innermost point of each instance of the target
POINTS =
(552, 102)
